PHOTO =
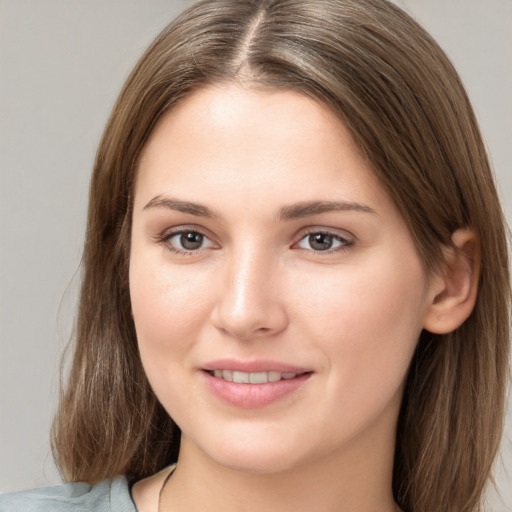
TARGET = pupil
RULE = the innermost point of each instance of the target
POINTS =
(320, 241)
(191, 241)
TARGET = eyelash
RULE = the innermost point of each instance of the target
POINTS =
(345, 242)
(165, 238)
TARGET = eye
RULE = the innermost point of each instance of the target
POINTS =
(320, 241)
(186, 241)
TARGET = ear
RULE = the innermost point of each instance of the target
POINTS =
(454, 289)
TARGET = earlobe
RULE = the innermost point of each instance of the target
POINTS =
(454, 290)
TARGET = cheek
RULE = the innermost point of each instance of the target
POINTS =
(366, 324)
(169, 315)
(167, 310)
(367, 318)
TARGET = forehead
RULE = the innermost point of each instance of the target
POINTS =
(235, 111)
(253, 135)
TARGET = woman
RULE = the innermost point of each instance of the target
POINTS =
(295, 275)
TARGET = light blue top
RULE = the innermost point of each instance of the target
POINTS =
(107, 496)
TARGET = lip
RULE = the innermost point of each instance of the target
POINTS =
(259, 365)
(252, 396)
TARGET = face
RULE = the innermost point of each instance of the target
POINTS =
(276, 291)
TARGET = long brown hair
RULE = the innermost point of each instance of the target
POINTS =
(397, 92)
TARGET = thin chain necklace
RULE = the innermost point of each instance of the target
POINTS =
(168, 477)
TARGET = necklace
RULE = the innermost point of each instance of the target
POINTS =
(168, 477)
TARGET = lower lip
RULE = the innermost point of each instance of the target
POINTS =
(252, 396)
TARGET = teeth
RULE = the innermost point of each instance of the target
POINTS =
(254, 377)
(258, 378)
(241, 377)
(274, 376)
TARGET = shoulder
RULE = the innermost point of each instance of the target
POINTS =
(107, 496)
(146, 492)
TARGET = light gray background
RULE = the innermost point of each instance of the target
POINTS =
(62, 63)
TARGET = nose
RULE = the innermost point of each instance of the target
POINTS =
(250, 303)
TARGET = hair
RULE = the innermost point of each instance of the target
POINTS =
(396, 91)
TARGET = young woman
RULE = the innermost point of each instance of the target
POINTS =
(296, 289)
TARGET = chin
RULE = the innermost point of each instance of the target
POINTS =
(254, 453)
(256, 462)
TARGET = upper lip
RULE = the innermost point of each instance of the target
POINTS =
(254, 366)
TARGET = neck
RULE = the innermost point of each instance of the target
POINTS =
(348, 481)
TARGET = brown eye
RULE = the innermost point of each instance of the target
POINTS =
(191, 240)
(186, 241)
(320, 241)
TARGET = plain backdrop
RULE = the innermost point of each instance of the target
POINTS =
(62, 63)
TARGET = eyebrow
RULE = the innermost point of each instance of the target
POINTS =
(293, 211)
(309, 208)
(180, 206)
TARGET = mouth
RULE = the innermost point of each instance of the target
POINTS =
(240, 377)
(253, 385)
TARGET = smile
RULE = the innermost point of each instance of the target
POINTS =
(253, 389)
(240, 377)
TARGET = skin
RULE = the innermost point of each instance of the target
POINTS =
(256, 289)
